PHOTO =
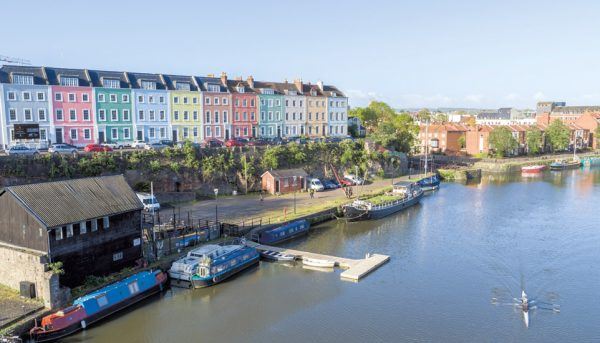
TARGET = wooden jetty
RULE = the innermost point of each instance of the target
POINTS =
(355, 268)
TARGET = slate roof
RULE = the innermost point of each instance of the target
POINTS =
(172, 79)
(493, 115)
(137, 78)
(203, 80)
(54, 75)
(232, 84)
(329, 90)
(258, 85)
(286, 173)
(39, 75)
(60, 203)
(574, 109)
(98, 75)
(282, 87)
(306, 89)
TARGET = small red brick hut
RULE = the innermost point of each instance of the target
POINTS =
(282, 181)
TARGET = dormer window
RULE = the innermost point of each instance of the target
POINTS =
(240, 89)
(267, 91)
(291, 92)
(182, 86)
(69, 81)
(148, 85)
(22, 79)
(333, 94)
(111, 83)
(313, 92)
(213, 88)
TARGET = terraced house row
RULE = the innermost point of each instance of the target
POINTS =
(43, 105)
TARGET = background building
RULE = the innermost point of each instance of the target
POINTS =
(244, 108)
(112, 97)
(150, 107)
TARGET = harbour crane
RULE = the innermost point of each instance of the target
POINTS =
(14, 60)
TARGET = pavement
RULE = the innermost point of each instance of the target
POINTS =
(13, 307)
(234, 209)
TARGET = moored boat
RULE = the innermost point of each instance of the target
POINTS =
(565, 164)
(430, 183)
(533, 168)
(181, 271)
(277, 256)
(317, 262)
(221, 262)
(403, 195)
(97, 305)
(283, 233)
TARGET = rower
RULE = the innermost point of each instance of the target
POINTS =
(524, 301)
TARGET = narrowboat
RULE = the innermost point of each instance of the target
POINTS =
(283, 233)
(564, 164)
(220, 262)
(430, 183)
(97, 305)
(181, 271)
(403, 195)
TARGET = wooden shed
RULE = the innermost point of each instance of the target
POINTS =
(282, 181)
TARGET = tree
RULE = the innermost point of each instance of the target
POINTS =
(597, 134)
(462, 142)
(533, 137)
(440, 118)
(558, 135)
(398, 133)
(502, 141)
(424, 115)
(368, 117)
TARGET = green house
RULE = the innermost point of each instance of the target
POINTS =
(113, 106)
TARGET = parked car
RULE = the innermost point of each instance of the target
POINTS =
(167, 142)
(149, 201)
(61, 148)
(276, 141)
(356, 180)
(212, 143)
(331, 184)
(316, 185)
(116, 145)
(22, 150)
(333, 139)
(236, 142)
(138, 144)
(97, 148)
(257, 142)
(154, 146)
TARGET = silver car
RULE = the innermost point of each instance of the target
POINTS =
(65, 149)
(22, 150)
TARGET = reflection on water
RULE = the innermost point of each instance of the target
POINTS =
(463, 245)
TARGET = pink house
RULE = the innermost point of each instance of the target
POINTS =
(72, 106)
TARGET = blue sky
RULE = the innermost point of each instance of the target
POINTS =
(408, 53)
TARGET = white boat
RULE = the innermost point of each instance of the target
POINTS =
(277, 256)
(315, 262)
(525, 307)
(181, 271)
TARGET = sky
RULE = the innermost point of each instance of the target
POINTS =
(410, 54)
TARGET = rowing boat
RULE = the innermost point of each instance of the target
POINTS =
(315, 262)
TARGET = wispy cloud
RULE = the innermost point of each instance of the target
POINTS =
(539, 96)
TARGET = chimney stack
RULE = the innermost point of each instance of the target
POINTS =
(320, 85)
(298, 84)
(224, 78)
(251, 81)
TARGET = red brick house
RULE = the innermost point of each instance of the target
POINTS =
(590, 122)
(284, 181)
(441, 138)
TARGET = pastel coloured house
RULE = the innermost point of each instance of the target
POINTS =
(244, 108)
(271, 109)
(150, 107)
(216, 104)
(185, 104)
(337, 110)
(72, 106)
(316, 108)
(113, 106)
(294, 107)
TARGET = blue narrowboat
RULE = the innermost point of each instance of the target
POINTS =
(430, 183)
(95, 306)
(220, 262)
(284, 232)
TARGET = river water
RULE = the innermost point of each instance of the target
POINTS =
(450, 255)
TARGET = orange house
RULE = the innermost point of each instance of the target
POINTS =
(443, 138)
(590, 122)
(283, 181)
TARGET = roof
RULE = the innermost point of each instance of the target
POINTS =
(574, 109)
(98, 75)
(233, 84)
(71, 201)
(137, 78)
(286, 87)
(54, 75)
(330, 90)
(204, 80)
(284, 173)
(171, 80)
(449, 127)
(258, 85)
(38, 73)
(493, 115)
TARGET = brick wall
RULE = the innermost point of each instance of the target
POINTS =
(21, 265)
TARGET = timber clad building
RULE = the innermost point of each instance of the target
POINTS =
(91, 225)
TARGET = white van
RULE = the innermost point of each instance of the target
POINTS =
(316, 185)
(149, 201)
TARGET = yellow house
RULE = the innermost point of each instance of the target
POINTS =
(186, 108)
(316, 111)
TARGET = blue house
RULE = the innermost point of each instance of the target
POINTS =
(150, 107)
(271, 108)
(25, 107)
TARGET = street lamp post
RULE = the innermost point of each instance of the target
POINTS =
(216, 206)
(294, 178)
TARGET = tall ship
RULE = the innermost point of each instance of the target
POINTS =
(97, 305)
(403, 195)
(218, 263)
(282, 233)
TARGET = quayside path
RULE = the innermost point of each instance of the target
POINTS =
(355, 268)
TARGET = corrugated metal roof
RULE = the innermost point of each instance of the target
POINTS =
(71, 201)
(287, 173)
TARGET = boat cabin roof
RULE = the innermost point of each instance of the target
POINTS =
(403, 184)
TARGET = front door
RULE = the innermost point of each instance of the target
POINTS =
(226, 134)
(174, 136)
(254, 131)
(59, 135)
(140, 136)
(101, 137)
(278, 131)
(276, 186)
